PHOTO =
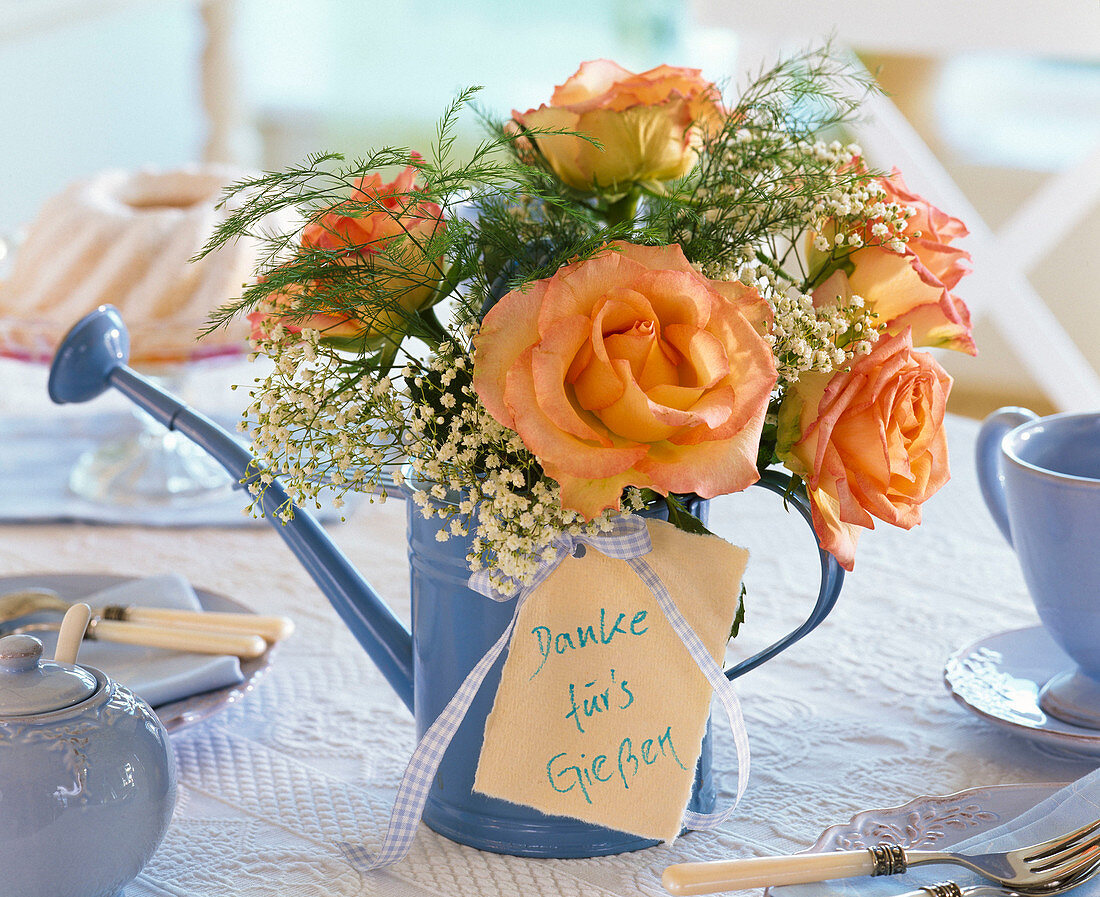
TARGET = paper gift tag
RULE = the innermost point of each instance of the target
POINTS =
(601, 710)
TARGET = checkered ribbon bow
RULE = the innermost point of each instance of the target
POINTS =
(629, 541)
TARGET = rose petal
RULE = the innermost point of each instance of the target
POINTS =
(633, 416)
(633, 346)
(904, 293)
(578, 288)
(562, 150)
(836, 289)
(708, 416)
(835, 536)
(834, 479)
(592, 79)
(928, 219)
(591, 497)
(928, 321)
(550, 444)
(707, 468)
(948, 264)
(748, 302)
(679, 397)
(677, 297)
(510, 327)
(618, 311)
(659, 260)
(550, 360)
(751, 364)
(661, 366)
(640, 143)
(598, 385)
(704, 355)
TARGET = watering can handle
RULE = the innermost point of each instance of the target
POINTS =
(832, 577)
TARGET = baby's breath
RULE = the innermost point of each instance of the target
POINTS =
(807, 336)
(477, 476)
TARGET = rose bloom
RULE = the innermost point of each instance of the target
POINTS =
(383, 226)
(869, 441)
(288, 307)
(648, 125)
(630, 369)
(913, 288)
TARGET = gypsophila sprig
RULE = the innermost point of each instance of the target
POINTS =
(469, 470)
(617, 298)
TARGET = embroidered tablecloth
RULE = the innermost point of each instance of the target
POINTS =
(854, 716)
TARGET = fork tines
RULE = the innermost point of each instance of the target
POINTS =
(1082, 844)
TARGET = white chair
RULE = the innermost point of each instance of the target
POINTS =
(998, 290)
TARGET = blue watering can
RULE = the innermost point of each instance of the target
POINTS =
(425, 667)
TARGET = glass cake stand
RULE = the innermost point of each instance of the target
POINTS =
(141, 464)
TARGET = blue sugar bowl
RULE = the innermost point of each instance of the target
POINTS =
(87, 778)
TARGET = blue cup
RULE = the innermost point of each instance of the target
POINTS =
(1040, 477)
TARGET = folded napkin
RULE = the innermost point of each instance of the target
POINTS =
(157, 675)
(1067, 809)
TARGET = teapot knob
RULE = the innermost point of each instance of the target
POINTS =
(19, 653)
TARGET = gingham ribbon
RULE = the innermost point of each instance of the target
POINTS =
(629, 541)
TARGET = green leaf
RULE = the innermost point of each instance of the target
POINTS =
(455, 275)
(680, 517)
(739, 617)
(765, 455)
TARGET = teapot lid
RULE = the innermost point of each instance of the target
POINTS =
(30, 685)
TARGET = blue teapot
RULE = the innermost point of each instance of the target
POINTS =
(87, 777)
(424, 667)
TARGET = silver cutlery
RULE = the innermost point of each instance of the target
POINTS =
(24, 602)
(1041, 867)
(952, 889)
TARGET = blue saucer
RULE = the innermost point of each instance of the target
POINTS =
(1000, 677)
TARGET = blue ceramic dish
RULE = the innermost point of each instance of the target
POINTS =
(87, 778)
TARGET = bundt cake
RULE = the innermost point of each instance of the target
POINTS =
(126, 238)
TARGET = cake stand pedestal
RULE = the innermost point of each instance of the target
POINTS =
(151, 466)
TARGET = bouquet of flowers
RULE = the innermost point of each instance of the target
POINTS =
(637, 292)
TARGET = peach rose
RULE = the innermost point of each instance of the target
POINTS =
(912, 288)
(287, 307)
(869, 442)
(630, 369)
(383, 226)
(647, 125)
(937, 231)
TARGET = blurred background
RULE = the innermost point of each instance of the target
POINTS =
(994, 114)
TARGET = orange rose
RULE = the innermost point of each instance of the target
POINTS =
(630, 369)
(383, 226)
(912, 288)
(647, 125)
(869, 441)
(937, 231)
(287, 307)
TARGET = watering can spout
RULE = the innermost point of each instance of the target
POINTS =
(92, 359)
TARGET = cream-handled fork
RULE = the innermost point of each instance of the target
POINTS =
(1037, 867)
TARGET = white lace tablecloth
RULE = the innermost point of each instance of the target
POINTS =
(854, 716)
